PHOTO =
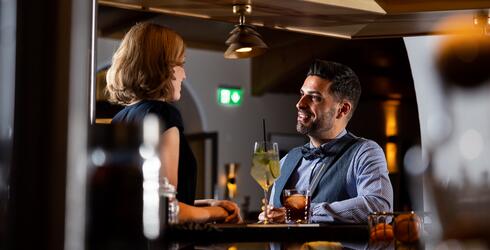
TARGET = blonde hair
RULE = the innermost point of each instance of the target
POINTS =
(142, 67)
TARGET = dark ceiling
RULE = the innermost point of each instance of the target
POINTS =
(382, 64)
(350, 19)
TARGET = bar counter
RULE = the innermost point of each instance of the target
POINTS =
(271, 232)
(255, 236)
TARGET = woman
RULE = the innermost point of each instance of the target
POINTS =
(146, 76)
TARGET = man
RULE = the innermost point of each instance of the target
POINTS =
(347, 175)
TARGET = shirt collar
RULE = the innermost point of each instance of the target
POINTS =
(340, 135)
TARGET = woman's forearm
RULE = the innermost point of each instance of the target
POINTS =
(201, 214)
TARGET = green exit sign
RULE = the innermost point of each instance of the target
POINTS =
(230, 96)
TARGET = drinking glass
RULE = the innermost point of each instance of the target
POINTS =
(265, 168)
(297, 204)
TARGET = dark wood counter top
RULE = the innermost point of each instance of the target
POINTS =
(268, 233)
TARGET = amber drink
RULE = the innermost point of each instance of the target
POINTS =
(297, 204)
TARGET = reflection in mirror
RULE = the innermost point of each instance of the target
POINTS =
(104, 110)
(7, 71)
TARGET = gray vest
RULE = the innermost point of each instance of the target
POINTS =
(331, 185)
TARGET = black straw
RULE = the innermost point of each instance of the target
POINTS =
(263, 128)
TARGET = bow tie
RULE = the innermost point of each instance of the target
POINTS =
(314, 153)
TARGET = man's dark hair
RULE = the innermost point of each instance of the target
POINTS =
(345, 84)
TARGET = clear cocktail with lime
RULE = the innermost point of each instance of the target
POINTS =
(265, 168)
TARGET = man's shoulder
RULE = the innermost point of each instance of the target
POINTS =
(368, 145)
(368, 150)
(295, 150)
(365, 143)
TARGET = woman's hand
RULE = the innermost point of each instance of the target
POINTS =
(201, 214)
(231, 208)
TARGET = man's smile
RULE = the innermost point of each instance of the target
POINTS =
(303, 116)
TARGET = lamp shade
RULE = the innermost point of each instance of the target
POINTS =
(244, 42)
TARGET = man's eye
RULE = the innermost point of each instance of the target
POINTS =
(316, 98)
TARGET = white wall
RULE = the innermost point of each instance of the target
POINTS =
(105, 49)
(237, 127)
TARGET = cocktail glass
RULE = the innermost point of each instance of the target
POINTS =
(265, 169)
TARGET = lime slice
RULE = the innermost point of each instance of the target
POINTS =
(264, 161)
(274, 169)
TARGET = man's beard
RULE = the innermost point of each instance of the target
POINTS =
(304, 129)
(323, 123)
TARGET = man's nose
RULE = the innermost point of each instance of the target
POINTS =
(301, 104)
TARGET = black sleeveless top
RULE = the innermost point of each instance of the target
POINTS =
(169, 117)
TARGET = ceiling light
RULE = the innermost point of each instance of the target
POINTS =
(244, 41)
(244, 49)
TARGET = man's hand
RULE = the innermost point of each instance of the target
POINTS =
(275, 215)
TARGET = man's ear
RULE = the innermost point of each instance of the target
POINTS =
(345, 109)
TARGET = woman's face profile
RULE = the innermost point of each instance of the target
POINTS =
(179, 76)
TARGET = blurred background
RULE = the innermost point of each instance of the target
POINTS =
(423, 69)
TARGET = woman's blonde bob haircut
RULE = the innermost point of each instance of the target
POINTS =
(142, 67)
